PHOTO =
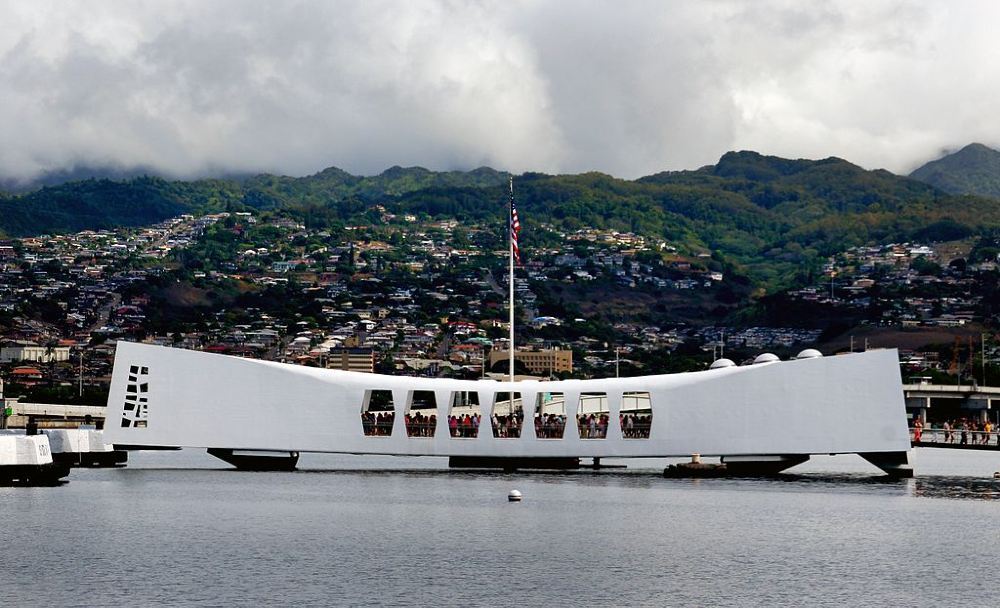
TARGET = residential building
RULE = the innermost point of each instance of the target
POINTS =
(352, 359)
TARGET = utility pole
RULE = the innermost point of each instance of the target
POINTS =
(972, 361)
(955, 359)
(982, 337)
(81, 374)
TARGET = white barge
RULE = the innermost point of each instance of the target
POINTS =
(84, 448)
(77, 447)
(27, 460)
(765, 416)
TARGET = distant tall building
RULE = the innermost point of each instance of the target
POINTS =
(540, 361)
(352, 359)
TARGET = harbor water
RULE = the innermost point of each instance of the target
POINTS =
(183, 529)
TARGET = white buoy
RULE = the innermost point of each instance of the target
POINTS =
(514, 496)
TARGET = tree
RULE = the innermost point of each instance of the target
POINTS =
(925, 267)
(503, 367)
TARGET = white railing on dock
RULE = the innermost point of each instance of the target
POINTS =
(954, 436)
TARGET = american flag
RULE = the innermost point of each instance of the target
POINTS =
(515, 227)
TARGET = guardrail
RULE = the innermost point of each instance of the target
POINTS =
(955, 437)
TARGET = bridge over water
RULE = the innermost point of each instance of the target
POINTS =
(939, 402)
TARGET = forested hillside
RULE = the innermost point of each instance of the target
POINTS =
(773, 218)
(975, 169)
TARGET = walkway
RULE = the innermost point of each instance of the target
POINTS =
(952, 440)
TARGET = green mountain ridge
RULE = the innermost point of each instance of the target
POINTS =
(770, 218)
(974, 170)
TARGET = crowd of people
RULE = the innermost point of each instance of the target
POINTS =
(418, 425)
(593, 426)
(466, 426)
(550, 426)
(377, 424)
(963, 431)
(508, 427)
(553, 426)
(635, 426)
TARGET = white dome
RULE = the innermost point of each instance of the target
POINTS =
(766, 358)
(809, 353)
(720, 363)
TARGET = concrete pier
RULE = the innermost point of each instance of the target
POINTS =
(49, 415)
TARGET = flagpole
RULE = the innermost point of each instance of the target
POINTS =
(510, 305)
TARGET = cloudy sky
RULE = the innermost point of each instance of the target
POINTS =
(628, 88)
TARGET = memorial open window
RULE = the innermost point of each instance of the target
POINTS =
(377, 413)
(636, 415)
(508, 415)
(550, 415)
(136, 411)
(592, 415)
(421, 414)
(464, 415)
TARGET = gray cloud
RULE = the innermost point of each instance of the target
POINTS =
(191, 88)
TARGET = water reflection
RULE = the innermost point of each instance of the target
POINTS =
(967, 488)
(947, 487)
(944, 487)
(941, 487)
(940, 483)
